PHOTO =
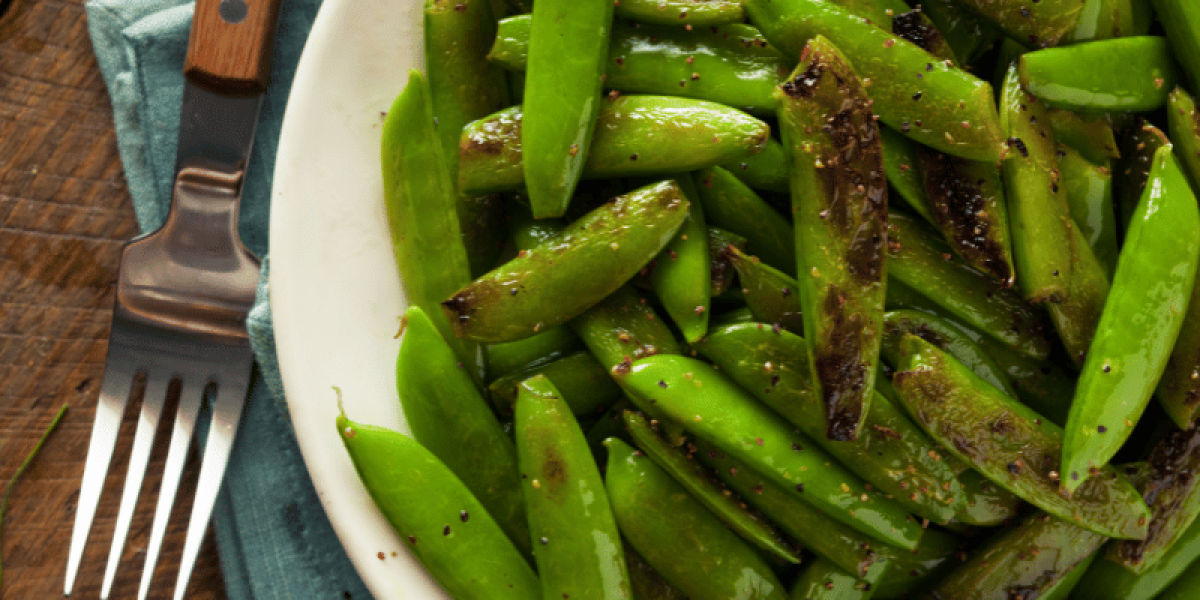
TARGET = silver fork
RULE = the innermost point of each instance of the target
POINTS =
(184, 292)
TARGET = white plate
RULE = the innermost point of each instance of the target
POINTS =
(334, 290)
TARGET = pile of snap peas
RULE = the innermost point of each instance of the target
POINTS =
(814, 299)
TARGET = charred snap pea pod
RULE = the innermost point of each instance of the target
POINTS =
(921, 261)
(839, 201)
(773, 297)
(568, 45)
(767, 170)
(568, 273)
(917, 28)
(1090, 135)
(578, 549)
(1041, 214)
(1062, 589)
(968, 35)
(585, 385)
(1173, 493)
(984, 503)
(1137, 151)
(1023, 562)
(900, 163)
(823, 580)
(465, 87)
(1181, 20)
(682, 273)
(1107, 580)
(938, 332)
(678, 536)
(945, 108)
(708, 404)
(732, 205)
(420, 199)
(732, 511)
(448, 529)
(682, 12)
(1076, 318)
(892, 454)
(909, 571)
(721, 269)
(550, 345)
(732, 64)
(966, 199)
(647, 583)
(435, 390)
(634, 135)
(1038, 24)
(1157, 268)
(1090, 194)
(1055, 76)
(1009, 443)
(1103, 20)
(622, 328)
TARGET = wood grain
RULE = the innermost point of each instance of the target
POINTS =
(64, 213)
(232, 57)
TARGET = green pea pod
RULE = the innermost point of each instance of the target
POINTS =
(1173, 494)
(1065, 585)
(527, 232)
(1107, 580)
(1089, 135)
(465, 87)
(892, 454)
(968, 35)
(721, 269)
(732, 205)
(916, 27)
(1090, 194)
(1022, 562)
(420, 200)
(737, 316)
(586, 386)
(839, 201)
(547, 346)
(1041, 214)
(902, 166)
(753, 527)
(945, 108)
(911, 571)
(681, 12)
(714, 408)
(578, 549)
(1055, 76)
(1157, 268)
(448, 529)
(841, 545)
(938, 332)
(1103, 20)
(1184, 588)
(966, 199)
(1076, 318)
(568, 273)
(1137, 150)
(568, 45)
(634, 136)
(647, 583)
(772, 296)
(823, 580)
(679, 537)
(1038, 24)
(1181, 20)
(984, 503)
(682, 273)
(622, 328)
(435, 390)
(1009, 443)
(922, 262)
(767, 170)
(510, 46)
(1179, 387)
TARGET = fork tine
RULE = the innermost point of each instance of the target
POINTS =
(143, 440)
(114, 396)
(181, 437)
(227, 412)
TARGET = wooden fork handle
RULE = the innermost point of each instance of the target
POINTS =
(230, 47)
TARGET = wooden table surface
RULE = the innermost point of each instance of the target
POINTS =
(64, 213)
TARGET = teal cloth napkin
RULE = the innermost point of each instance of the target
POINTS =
(272, 534)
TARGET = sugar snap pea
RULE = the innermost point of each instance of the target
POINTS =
(622, 328)
(772, 296)
(1138, 149)
(1038, 24)
(681, 12)
(751, 526)
(984, 503)
(577, 547)
(938, 332)
(1015, 447)
(900, 163)
(682, 273)
(839, 202)
(945, 107)
(1090, 194)
(920, 260)
(1076, 317)
(1183, 588)
(420, 200)
(634, 135)
(434, 390)
(679, 537)
(721, 270)
(647, 583)
(1038, 206)
(568, 273)
(714, 408)
(911, 571)
(1065, 586)
(527, 232)
(448, 529)
(1089, 134)
(892, 454)
(568, 45)
(585, 384)
(732, 205)
(968, 35)
(610, 424)
(1148, 73)
(1107, 580)
(1181, 20)
(510, 357)
(1023, 562)
(823, 580)
(767, 170)
(1157, 267)
(914, 26)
